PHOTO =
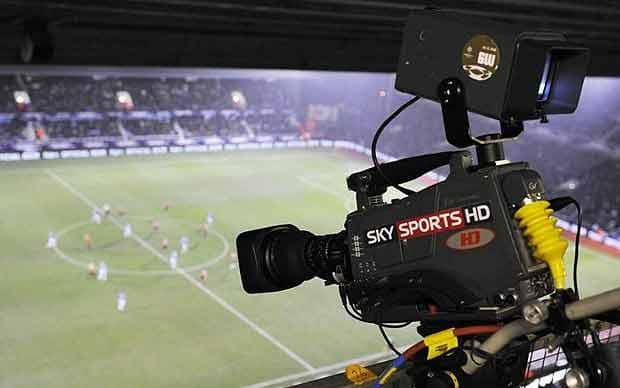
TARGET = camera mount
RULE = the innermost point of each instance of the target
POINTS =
(451, 94)
(489, 148)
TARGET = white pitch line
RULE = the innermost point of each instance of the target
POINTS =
(190, 279)
(145, 273)
(347, 201)
(72, 190)
(323, 371)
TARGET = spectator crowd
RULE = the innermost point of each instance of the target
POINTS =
(78, 107)
(572, 160)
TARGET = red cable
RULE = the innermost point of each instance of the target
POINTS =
(409, 353)
(459, 332)
(473, 330)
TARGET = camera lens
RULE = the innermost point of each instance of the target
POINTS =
(281, 257)
(285, 259)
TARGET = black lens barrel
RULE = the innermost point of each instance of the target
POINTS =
(325, 253)
(281, 257)
(284, 257)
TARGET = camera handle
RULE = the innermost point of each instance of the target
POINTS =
(369, 185)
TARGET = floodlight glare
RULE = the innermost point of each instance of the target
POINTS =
(544, 85)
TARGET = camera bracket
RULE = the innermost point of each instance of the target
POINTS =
(370, 184)
(451, 93)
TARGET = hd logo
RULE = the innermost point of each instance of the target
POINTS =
(380, 235)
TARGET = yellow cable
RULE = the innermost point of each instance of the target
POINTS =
(388, 375)
(544, 238)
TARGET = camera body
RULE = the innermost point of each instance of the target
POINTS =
(452, 252)
(454, 245)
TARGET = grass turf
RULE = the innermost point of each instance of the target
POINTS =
(60, 327)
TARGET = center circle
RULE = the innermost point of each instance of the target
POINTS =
(125, 256)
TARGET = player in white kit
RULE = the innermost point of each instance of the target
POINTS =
(127, 231)
(121, 301)
(102, 272)
(51, 240)
(96, 217)
(174, 260)
(184, 244)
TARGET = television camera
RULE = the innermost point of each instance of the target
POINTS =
(470, 255)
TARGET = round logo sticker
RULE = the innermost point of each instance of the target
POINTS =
(480, 58)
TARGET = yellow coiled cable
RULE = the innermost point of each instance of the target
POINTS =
(544, 237)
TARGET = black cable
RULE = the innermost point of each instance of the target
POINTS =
(357, 316)
(561, 203)
(595, 338)
(481, 354)
(388, 342)
(577, 238)
(375, 140)
(354, 316)
(373, 153)
(396, 325)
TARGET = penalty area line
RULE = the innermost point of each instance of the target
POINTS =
(262, 332)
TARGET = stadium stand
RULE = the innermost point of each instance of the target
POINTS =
(78, 107)
(65, 108)
(597, 189)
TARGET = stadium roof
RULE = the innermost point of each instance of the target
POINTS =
(311, 34)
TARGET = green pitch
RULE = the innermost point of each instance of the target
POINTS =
(59, 326)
